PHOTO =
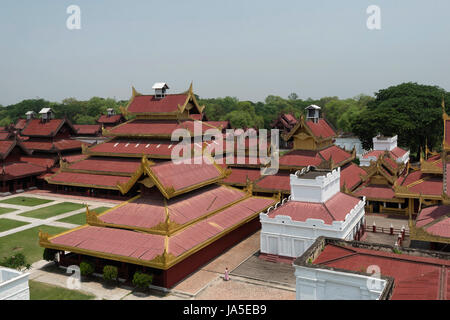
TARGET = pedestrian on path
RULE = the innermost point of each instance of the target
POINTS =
(226, 277)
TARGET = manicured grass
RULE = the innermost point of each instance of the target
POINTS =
(25, 201)
(43, 291)
(7, 224)
(80, 218)
(6, 210)
(53, 210)
(26, 242)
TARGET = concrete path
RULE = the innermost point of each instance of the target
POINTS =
(51, 221)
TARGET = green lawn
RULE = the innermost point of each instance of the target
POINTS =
(26, 242)
(53, 210)
(6, 210)
(80, 218)
(25, 201)
(43, 291)
(7, 224)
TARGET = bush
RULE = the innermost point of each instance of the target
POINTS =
(49, 254)
(16, 261)
(110, 273)
(142, 280)
(87, 268)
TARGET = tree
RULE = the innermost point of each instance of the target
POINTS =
(409, 110)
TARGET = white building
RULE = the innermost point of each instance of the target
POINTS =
(13, 285)
(350, 142)
(380, 146)
(315, 208)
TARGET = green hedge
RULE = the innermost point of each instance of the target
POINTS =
(87, 268)
(110, 273)
(142, 280)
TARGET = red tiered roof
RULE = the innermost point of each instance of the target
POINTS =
(424, 183)
(146, 247)
(181, 176)
(321, 128)
(58, 145)
(5, 135)
(415, 278)
(20, 169)
(150, 104)
(351, 175)
(274, 183)
(150, 210)
(86, 179)
(435, 220)
(38, 128)
(157, 127)
(376, 192)
(151, 148)
(127, 166)
(6, 146)
(303, 158)
(89, 129)
(109, 119)
(239, 176)
(339, 155)
(300, 158)
(20, 124)
(395, 153)
(46, 162)
(335, 209)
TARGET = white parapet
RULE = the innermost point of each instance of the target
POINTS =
(384, 143)
(318, 189)
(13, 285)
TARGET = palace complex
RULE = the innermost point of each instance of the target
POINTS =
(177, 217)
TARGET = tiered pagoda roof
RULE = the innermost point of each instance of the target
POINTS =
(181, 210)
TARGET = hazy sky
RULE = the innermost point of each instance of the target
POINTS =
(247, 49)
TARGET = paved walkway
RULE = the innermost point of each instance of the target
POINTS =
(52, 221)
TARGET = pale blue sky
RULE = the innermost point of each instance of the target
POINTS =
(247, 49)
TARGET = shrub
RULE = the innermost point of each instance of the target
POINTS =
(87, 268)
(49, 254)
(142, 280)
(16, 261)
(110, 273)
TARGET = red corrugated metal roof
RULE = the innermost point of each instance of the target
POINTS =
(335, 209)
(5, 147)
(277, 182)
(90, 129)
(88, 179)
(35, 127)
(351, 175)
(149, 104)
(376, 192)
(300, 158)
(181, 176)
(20, 124)
(39, 160)
(115, 241)
(435, 220)
(4, 135)
(21, 169)
(240, 175)
(148, 211)
(107, 164)
(321, 128)
(109, 119)
(58, 145)
(336, 153)
(155, 127)
(74, 157)
(156, 148)
(423, 183)
(415, 278)
(146, 247)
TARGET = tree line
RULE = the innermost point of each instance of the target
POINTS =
(410, 110)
